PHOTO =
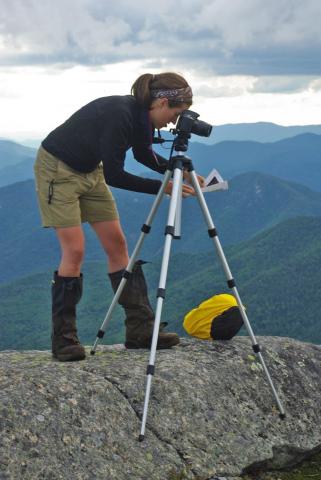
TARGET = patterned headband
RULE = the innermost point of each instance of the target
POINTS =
(177, 94)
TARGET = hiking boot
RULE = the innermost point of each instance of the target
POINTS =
(165, 340)
(66, 293)
(139, 313)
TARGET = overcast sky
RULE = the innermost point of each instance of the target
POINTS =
(246, 60)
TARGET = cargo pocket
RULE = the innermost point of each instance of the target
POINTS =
(46, 172)
(50, 191)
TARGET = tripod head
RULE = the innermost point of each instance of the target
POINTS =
(188, 123)
(180, 143)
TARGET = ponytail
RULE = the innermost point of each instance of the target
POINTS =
(170, 85)
(141, 89)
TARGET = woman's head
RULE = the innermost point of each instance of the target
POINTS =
(166, 95)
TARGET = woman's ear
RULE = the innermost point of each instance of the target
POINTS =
(159, 103)
(164, 102)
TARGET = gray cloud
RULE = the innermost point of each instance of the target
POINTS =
(283, 84)
(220, 89)
(248, 37)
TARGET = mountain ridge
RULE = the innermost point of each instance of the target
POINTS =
(258, 131)
(294, 159)
(272, 275)
(253, 203)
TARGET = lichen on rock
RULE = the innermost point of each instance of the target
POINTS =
(211, 412)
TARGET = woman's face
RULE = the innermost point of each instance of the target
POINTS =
(161, 114)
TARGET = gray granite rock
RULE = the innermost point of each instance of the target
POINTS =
(212, 413)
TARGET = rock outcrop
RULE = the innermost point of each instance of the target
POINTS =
(211, 413)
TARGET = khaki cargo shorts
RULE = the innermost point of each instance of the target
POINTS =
(67, 197)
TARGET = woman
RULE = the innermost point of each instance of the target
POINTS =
(75, 163)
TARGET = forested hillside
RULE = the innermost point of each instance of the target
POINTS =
(277, 273)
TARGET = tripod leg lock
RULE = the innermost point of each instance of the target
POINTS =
(150, 370)
(100, 334)
(169, 230)
(256, 348)
(161, 293)
(146, 228)
(231, 283)
(212, 232)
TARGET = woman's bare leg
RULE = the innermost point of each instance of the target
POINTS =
(113, 241)
(72, 244)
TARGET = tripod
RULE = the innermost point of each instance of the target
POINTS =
(177, 164)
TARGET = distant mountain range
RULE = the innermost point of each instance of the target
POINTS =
(12, 153)
(253, 203)
(295, 159)
(16, 162)
(269, 223)
(258, 132)
(277, 273)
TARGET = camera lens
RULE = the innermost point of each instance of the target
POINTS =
(201, 128)
(188, 123)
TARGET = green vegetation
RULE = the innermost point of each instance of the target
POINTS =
(277, 274)
(253, 203)
(26, 309)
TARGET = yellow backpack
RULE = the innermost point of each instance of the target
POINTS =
(217, 318)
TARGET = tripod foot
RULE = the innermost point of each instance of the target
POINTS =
(282, 416)
(92, 352)
(141, 438)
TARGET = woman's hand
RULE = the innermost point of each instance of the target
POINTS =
(186, 189)
(188, 179)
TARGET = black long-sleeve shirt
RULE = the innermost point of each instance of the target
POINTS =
(102, 131)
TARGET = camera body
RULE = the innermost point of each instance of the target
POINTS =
(188, 123)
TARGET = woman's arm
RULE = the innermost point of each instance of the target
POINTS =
(145, 154)
(114, 142)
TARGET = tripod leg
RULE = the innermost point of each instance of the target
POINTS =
(231, 284)
(145, 230)
(169, 231)
(178, 215)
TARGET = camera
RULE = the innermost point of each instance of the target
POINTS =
(188, 123)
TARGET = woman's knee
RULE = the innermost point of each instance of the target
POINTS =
(122, 243)
(111, 237)
(73, 255)
(117, 248)
(72, 244)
